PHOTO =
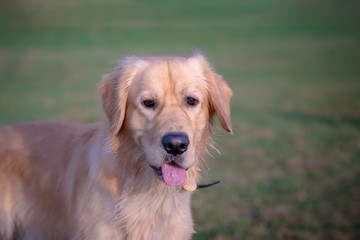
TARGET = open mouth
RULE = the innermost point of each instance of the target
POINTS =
(158, 172)
(171, 173)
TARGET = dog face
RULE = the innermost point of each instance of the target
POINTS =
(167, 105)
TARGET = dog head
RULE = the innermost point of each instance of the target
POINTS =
(167, 105)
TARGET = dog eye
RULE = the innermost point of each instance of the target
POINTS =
(192, 101)
(149, 103)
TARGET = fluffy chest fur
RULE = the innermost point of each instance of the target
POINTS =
(161, 213)
(151, 214)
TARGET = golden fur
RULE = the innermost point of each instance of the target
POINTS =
(70, 181)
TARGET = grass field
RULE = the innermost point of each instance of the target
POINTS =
(292, 168)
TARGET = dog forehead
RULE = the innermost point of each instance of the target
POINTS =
(168, 75)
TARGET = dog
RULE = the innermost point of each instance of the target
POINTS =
(128, 177)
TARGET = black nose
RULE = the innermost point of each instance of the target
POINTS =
(175, 143)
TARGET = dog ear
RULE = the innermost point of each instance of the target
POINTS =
(219, 92)
(114, 87)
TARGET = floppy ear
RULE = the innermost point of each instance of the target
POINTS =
(114, 88)
(219, 92)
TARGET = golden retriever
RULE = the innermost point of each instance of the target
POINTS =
(128, 177)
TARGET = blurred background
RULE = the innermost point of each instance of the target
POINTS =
(292, 168)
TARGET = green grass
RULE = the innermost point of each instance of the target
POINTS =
(290, 171)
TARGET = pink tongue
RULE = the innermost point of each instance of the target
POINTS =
(173, 175)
